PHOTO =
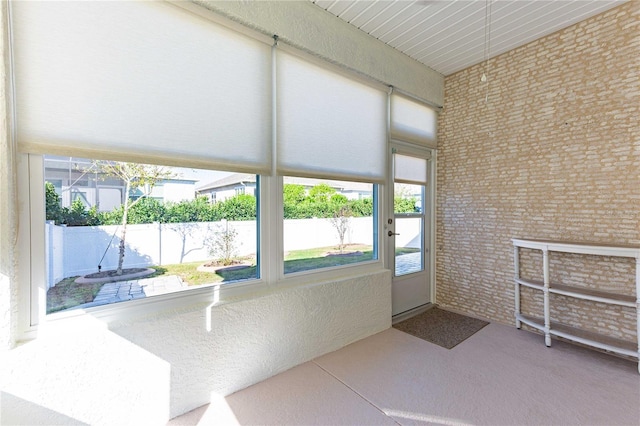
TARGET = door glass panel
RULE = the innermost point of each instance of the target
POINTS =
(409, 228)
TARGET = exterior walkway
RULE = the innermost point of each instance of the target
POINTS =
(135, 289)
(408, 263)
(138, 289)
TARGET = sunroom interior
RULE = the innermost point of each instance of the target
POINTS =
(537, 141)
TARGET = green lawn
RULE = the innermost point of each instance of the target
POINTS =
(324, 257)
(67, 294)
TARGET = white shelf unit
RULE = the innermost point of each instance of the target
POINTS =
(550, 328)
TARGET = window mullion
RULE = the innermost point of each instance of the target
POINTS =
(270, 220)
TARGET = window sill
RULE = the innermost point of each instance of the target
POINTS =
(203, 296)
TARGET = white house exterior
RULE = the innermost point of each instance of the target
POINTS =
(74, 178)
(230, 186)
(243, 183)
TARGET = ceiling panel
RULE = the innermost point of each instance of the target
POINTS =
(336, 7)
(449, 35)
(395, 12)
(355, 9)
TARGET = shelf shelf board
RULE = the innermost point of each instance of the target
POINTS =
(597, 249)
(612, 344)
(537, 323)
(582, 293)
(593, 295)
(538, 285)
(559, 330)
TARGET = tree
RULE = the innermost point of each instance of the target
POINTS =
(147, 210)
(135, 176)
(404, 205)
(362, 207)
(341, 219)
(293, 196)
(403, 200)
(75, 215)
(293, 193)
(321, 193)
(197, 210)
(78, 215)
(238, 207)
(53, 203)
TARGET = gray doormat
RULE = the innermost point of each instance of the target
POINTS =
(441, 327)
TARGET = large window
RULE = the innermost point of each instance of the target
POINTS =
(295, 148)
(151, 242)
(328, 223)
(149, 245)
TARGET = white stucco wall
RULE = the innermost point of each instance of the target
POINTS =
(314, 30)
(8, 204)
(146, 370)
(83, 374)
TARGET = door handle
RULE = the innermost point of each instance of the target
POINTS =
(390, 233)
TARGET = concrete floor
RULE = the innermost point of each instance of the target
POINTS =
(499, 376)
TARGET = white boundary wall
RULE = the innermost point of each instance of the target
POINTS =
(77, 250)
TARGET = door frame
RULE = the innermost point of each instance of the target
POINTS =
(429, 154)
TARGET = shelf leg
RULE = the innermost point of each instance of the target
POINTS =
(547, 309)
(516, 262)
(638, 306)
(638, 312)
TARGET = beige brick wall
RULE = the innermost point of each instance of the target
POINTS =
(553, 154)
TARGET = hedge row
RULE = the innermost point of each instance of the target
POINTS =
(321, 201)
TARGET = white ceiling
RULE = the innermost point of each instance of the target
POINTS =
(449, 35)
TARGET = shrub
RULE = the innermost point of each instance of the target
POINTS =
(222, 245)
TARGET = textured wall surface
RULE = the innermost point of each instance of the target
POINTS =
(144, 371)
(314, 30)
(83, 374)
(554, 153)
(148, 370)
(252, 340)
(8, 205)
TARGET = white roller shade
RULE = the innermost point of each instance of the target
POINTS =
(141, 80)
(328, 125)
(413, 121)
(408, 169)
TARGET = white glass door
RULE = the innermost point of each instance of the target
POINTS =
(408, 230)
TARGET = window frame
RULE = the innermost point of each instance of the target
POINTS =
(270, 221)
(31, 233)
(376, 232)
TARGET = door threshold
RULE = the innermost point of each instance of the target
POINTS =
(411, 313)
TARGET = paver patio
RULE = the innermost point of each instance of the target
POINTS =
(137, 289)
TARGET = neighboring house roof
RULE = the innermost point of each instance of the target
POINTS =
(178, 180)
(229, 180)
(341, 186)
(81, 165)
(239, 178)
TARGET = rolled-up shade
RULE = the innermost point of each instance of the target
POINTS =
(146, 80)
(408, 169)
(328, 125)
(413, 121)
